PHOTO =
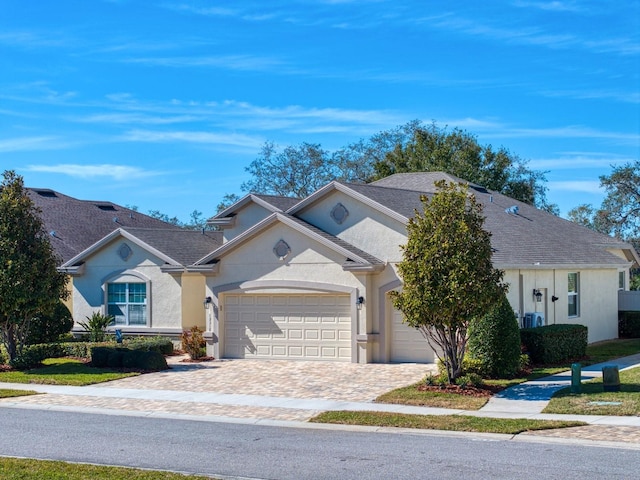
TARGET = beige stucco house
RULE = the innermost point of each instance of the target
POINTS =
(310, 278)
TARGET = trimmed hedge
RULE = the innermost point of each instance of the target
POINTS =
(555, 343)
(629, 325)
(118, 357)
(33, 355)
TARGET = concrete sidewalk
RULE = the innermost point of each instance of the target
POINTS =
(205, 401)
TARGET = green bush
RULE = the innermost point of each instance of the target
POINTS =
(33, 355)
(49, 328)
(132, 358)
(99, 356)
(162, 345)
(114, 360)
(553, 344)
(152, 361)
(469, 380)
(494, 343)
(3, 355)
(629, 325)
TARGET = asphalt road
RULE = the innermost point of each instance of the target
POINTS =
(231, 450)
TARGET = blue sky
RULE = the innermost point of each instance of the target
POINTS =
(163, 104)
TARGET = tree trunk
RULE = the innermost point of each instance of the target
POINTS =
(10, 340)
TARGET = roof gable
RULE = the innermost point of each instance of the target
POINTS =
(356, 259)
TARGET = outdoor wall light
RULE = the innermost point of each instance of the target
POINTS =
(554, 298)
(207, 302)
(360, 302)
(537, 294)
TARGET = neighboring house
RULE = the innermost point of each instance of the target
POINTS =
(310, 279)
(126, 264)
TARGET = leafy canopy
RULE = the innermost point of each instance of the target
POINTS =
(30, 284)
(447, 273)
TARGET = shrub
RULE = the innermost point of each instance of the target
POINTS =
(494, 342)
(555, 343)
(629, 325)
(33, 355)
(49, 328)
(114, 360)
(193, 343)
(96, 326)
(153, 361)
(469, 379)
(162, 345)
(100, 356)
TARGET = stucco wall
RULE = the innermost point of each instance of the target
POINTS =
(598, 308)
(163, 299)
(364, 227)
(246, 218)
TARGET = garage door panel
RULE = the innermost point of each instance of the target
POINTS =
(407, 343)
(278, 326)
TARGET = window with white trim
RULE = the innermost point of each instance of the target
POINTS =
(573, 291)
(621, 278)
(127, 303)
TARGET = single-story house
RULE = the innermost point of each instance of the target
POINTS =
(310, 278)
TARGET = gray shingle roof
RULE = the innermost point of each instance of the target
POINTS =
(78, 224)
(184, 246)
(278, 201)
(530, 237)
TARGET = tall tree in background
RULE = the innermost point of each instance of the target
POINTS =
(447, 274)
(298, 171)
(458, 153)
(619, 214)
(30, 284)
(622, 203)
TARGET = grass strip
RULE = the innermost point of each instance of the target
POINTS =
(593, 400)
(7, 393)
(457, 423)
(28, 469)
(410, 395)
(64, 371)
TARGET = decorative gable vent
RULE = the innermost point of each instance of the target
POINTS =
(281, 249)
(125, 252)
(339, 213)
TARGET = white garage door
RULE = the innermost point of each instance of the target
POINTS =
(407, 343)
(310, 327)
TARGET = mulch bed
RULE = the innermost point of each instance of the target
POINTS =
(196, 360)
(470, 391)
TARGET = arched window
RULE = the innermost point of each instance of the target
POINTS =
(127, 299)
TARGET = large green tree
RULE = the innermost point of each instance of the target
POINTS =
(30, 284)
(413, 147)
(458, 152)
(447, 273)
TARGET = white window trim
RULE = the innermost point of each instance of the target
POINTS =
(125, 277)
(575, 294)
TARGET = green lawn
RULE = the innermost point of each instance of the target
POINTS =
(597, 353)
(64, 371)
(410, 395)
(6, 393)
(594, 401)
(458, 423)
(26, 469)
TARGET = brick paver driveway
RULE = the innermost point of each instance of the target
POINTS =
(281, 378)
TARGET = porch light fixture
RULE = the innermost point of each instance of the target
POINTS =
(554, 298)
(207, 302)
(359, 302)
(537, 294)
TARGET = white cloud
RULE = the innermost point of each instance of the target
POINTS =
(233, 139)
(117, 172)
(22, 144)
(582, 186)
